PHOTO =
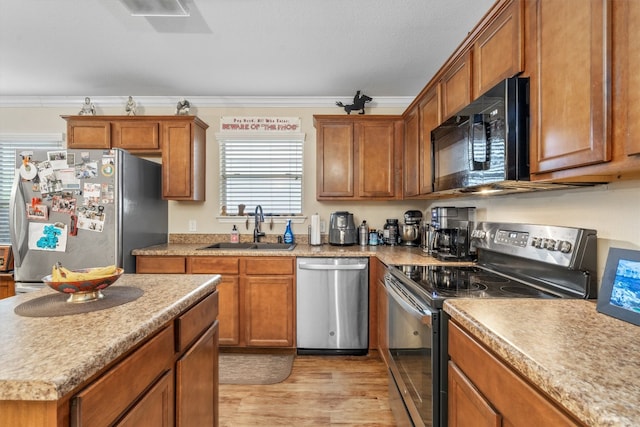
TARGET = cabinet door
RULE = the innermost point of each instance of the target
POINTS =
(429, 120)
(570, 109)
(141, 136)
(412, 153)
(467, 406)
(155, 409)
(335, 159)
(88, 134)
(455, 85)
(105, 399)
(383, 311)
(268, 310)
(376, 154)
(498, 51)
(228, 293)
(177, 164)
(197, 382)
(632, 54)
(229, 311)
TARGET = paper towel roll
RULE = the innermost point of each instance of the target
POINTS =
(315, 230)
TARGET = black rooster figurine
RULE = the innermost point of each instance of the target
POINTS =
(358, 103)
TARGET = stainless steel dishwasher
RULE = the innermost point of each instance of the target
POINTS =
(332, 310)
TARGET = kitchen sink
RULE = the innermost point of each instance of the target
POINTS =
(227, 245)
(246, 246)
(275, 246)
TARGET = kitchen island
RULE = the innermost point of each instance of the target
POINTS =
(113, 364)
(584, 363)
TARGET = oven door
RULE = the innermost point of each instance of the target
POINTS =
(412, 329)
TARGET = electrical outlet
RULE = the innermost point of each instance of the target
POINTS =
(323, 226)
(193, 225)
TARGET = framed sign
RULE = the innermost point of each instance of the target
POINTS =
(619, 294)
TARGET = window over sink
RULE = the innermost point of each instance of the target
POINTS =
(261, 169)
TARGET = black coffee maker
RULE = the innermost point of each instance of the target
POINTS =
(452, 229)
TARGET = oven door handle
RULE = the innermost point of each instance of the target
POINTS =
(423, 315)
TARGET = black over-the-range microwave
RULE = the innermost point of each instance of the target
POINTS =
(485, 146)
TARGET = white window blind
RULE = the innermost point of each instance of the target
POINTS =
(9, 144)
(261, 172)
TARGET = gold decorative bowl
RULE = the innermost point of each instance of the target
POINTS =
(83, 290)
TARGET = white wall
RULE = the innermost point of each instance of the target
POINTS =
(613, 210)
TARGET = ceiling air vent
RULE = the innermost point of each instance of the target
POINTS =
(156, 7)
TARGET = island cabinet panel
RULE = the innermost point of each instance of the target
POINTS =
(486, 389)
(197, 388)
(570, 85)
(155, 408)
(106, 399)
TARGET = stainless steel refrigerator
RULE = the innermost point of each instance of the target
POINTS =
(83, 208)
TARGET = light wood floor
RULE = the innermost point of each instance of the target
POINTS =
(321, 391)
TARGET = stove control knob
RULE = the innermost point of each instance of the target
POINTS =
(550, 244)
(564, 246)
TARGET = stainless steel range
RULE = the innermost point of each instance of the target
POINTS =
(514, 261)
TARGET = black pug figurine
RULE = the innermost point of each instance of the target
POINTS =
(358, 103)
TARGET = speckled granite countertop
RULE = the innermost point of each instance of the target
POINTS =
(390, 255)
(587, 361)
(45, 358)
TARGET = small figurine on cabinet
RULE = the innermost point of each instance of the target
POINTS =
(182, 109)
(130, 108)
(359, 102)
(88, 109)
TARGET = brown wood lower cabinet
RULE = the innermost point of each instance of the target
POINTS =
(485, 391)
(139, 390)
(257, 295)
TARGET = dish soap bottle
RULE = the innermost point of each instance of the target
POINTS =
(235, 237)
(288, 234)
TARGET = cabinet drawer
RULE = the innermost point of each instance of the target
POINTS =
(105, 400)
(271, 265)
(192, 323)
(161, 264)
(213, 265)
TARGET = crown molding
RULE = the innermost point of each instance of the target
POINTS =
(197, 101)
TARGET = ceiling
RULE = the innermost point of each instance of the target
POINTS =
(230, 48)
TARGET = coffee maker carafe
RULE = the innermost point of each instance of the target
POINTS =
(452, 231)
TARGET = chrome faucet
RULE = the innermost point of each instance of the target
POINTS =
(259, 218)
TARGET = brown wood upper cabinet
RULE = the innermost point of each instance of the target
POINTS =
(180, 140)
(498, 51)
(359, 157)
(455, 85)
(420, 120)
(570, 85)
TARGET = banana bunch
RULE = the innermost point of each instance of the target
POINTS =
(62, 274)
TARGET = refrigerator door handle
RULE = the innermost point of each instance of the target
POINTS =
(18, 229)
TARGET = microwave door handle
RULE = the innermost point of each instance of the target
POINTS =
(480, 160)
